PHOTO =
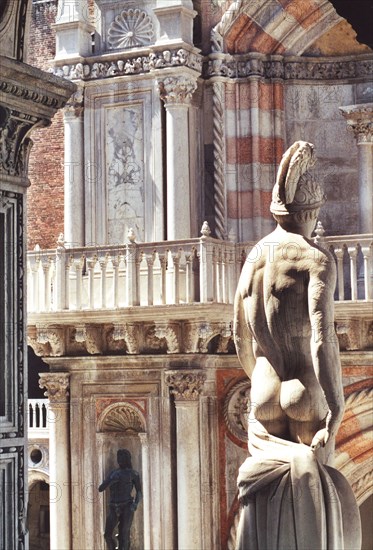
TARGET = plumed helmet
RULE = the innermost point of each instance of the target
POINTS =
(295, 189)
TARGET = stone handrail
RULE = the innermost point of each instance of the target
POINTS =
(199, 270)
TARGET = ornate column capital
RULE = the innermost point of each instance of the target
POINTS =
(57, 386)
(75, 106)
(176, 90)
(359, 120)
(185, 385)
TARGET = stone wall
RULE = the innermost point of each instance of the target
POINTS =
(46, 159)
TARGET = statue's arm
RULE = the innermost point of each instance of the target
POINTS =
(324, 344)
(108, 481)
(243, 338)
(137, 486)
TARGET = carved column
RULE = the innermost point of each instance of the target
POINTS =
(176, 92)
(186, 387)
(74, 171)
(57, 386)
(360, 120)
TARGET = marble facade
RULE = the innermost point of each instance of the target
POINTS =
(168, 130)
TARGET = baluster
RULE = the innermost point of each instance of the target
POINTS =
(226, 277)
(215, 271)
(115, 263)
(367, 273)
(60, 284)
(232, 284)
(189, 278)
(206, 270)
(163, 262)
(91, 281)
(176, 262)
(47, 265)
(78, 264)
(150, 264)
(339, 252)
(131, 276)
(103, 265)
(35, 285)
(68, 264)
(353, 256)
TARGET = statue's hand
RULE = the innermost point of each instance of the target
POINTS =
(320, 439)
(133, 507)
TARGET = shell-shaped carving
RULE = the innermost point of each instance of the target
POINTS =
(123, 419)
(132, 27)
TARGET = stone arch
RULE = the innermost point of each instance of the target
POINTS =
(34, 476)
(354, 446)
(269, 27)
(122, 417)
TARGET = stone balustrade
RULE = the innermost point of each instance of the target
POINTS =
(199, 270)
(38, 419)
(353, 255)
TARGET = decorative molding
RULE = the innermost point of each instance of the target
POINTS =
(278, 67)
(91, 70)
(363, 485)
(177, 90)
(235, 409)
(123, 417)
(185, 385)
(218, 110)
(75, 106)
(167, 333)
(56, 385)
(92, 338)
(132, 27)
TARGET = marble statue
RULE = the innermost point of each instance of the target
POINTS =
(284, 333)
(122, 505)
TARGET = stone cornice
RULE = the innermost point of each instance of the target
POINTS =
(31, 90)
(288, 68)
(121, 64)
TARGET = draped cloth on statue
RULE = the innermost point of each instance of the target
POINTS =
(291, 501)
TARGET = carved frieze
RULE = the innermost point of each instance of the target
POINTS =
(57, 386)
(185, 385)
(131, 65)
(242, 66)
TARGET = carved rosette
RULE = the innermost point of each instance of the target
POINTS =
(185, 385)
(56, 385)
(132, 27)
(359, 120)
(177, 90)
(236, 409)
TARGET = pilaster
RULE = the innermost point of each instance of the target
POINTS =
(359, 120)
(176, 93)
(57, 391)
(74, 171)
(186, 387)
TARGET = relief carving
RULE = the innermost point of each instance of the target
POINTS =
(236, 409)
(132, 27)
(125, 171)
(56, 385)
(174, 90)
(185, 385)
(122, 418)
